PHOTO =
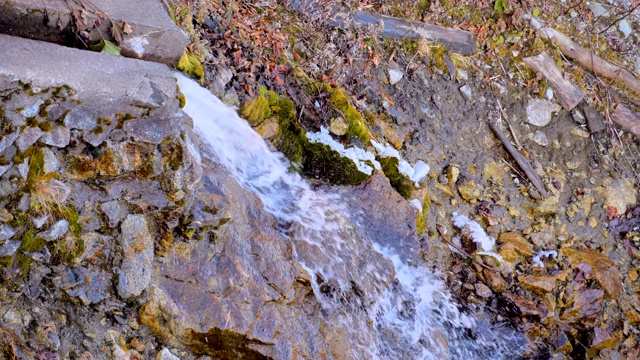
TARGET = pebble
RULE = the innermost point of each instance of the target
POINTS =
(56, 231)
(578, 116)
(394, 76)
(539, 138)
(466, 91)
(539, 112)
(483, 290)
(165, 354)
(624, 27)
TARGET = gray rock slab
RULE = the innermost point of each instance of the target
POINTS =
(59, 137)
(56, 231)
(7, 232)
(137, 246)
(540, 112)
(153, 35)
(28, 137)
(104, 84)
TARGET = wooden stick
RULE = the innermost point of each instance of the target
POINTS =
(568, 93)
(587, 58)
(455, 40)
(626, 119)
(522, 162)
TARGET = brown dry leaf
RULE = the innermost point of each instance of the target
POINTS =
(116, 34)
(126, 28)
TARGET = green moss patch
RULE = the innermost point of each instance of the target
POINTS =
(322, 162)
(357, 127)
(400, 182)
(191, 65)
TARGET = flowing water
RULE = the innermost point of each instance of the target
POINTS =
(394, 310)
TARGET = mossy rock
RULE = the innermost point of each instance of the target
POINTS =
(191, 65)
(357, 126)
(421, 219)
(400, 182)
(322, 162)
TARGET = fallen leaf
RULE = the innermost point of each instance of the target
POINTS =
(126, 28)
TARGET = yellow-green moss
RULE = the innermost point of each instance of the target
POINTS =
(357, 127)
(180, 96)
(437, 57)
(400, 182)
(421, 219)
(31, 242)
(45, 126)
(256, 110)
(32, 121)
(191, 65)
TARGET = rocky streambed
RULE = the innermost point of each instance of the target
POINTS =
(133, 227)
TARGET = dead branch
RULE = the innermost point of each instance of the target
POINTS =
(568, 93)
(522, 162)
(587, 58)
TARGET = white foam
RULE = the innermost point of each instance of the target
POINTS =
(485, 243)
(414, 173)
(537, 259)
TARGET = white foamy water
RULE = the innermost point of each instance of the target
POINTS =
(393, 310)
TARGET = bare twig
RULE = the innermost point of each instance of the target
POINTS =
(506, 118)
(622, 17)
(522, 162)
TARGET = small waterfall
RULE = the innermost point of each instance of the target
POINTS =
(395, 310)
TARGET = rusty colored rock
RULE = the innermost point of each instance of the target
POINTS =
(494, 280)
(587, 305)
(513, 244)
(526, 307)
(603, 269)
(539, 283)
(602, 339)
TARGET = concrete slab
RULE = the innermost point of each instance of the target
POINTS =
(101, 85)
(153, 36)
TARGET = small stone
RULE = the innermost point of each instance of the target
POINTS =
(28, 137)
(136, 267)
(632, 275)
(165, 354)
(483, 290)
(59, 137)
(89, 285)
(394, 76)
(115, 211)
(549, 93)
(5, 216)
(466, 91)
(602, 339)
(619, 195)
(580, 132)
(539, 138)
(51, 163)
(539, 112)
(578, 117)
(469, 191)
(40, 221)
(8, 140)
(462, 74)
(32, 111)
(624, 27)
(339, 126)
(269, 128)
(586, 306)
(452, 174)
(572, 165)
(597, 9)
(542, 283)
(56, 231)
(9, 247)
(7, 232)
(79, 118)
(593, 222)
(137, 344)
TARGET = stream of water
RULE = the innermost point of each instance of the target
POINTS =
(398, 312)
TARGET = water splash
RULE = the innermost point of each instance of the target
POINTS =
(395, 310)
